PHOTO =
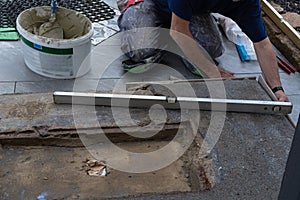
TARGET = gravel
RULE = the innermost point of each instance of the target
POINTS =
(289, 5)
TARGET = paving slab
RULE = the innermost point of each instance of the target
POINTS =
(291, 83)
(71, 179)
(230, 60)
(295, 99)
(252, 148)
(65, 85)
(257, 146)
(7, 87)
(12, 64)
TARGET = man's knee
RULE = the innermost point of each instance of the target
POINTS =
(139, 31)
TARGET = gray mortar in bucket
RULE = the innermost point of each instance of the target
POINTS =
(73, 23)
(43, 54)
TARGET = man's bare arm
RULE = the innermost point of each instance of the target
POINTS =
(180, 32)
(268, 63)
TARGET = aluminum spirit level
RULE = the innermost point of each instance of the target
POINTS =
(145, 101)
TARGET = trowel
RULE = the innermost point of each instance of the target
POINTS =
(52, 29)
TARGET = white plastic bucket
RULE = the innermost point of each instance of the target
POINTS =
(56, 58)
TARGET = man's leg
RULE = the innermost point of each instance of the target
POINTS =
(205, 31)
(135, 18)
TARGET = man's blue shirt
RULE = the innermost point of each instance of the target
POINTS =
(247, 13)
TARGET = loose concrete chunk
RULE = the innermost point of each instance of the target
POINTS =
(293, 19)
(96, 168)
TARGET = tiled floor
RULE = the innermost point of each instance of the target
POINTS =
(15, 77)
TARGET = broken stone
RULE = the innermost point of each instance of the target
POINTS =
(95, 168)
(277, 7)
(293, 19)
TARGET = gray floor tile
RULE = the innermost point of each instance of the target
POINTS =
(7, 87)
(106, 62)
(77, 85)
(295, 99)
(114, 40)
(115, 69)
(12, 66)
(230, 60)
(95, 85)
(291, 83)
(44, 86)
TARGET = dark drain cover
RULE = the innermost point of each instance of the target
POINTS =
(95, 10)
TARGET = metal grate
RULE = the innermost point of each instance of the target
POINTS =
(95, 10)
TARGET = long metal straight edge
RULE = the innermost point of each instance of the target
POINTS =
(145, 101)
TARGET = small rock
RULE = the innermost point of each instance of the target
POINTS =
(293, 19)
(45, 178)
(75, 196)
(277, 7)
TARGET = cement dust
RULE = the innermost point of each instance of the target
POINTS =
(69, 24)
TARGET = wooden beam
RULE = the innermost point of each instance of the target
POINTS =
(281, 23)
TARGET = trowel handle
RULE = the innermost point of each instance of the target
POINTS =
(53, 10)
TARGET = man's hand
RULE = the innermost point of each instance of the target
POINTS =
(281, 96)
(225, 73)
(268, 63)
(181, 34)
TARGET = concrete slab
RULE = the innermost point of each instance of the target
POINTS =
(252, 152)
(291, 83)
(295, 99)
(105, 62)
(230, 60)
(66, 85)
(12, 64)
(7, 87)
(47, 85)
(249, 148)
(60, 173)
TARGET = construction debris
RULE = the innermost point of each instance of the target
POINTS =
(293, 19)
(277, 7)
(96, 168)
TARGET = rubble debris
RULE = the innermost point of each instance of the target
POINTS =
(293, 19)
(290, 5)
(95, 168)
(277, 7)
